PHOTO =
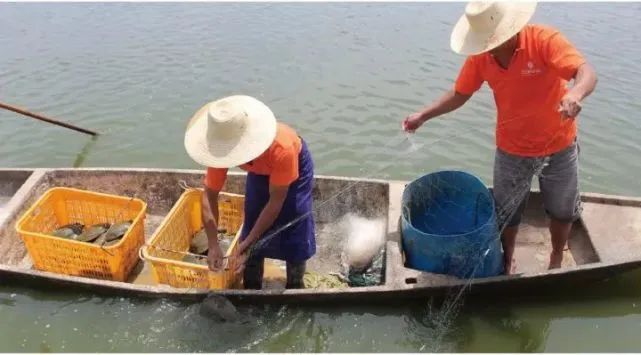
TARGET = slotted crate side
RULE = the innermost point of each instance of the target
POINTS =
(60, 206)
(186, 275)
(226, 278)
(174, 236)
(182, 277)
(43, 216)
(231, 209)
(128, 250)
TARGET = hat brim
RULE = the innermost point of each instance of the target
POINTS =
(227, 153)
(467, 42)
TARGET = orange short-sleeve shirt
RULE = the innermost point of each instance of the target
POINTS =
(279, 161)
(528, 93)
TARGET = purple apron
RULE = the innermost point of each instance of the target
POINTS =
(296, 242)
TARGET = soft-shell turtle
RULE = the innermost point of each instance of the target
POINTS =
(101, 240)
(194, 260)
(69, 230)
(199, 243)
(93, 232)
(118, 230)
(225, 242)
(111, 242)
(219, 308)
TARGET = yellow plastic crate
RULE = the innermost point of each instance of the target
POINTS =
(171, 241)
(60, 206)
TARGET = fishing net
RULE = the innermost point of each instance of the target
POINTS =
(453, 224)
(447, 206)
(448, 225)
(372, 275)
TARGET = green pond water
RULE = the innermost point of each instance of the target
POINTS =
(344, 75)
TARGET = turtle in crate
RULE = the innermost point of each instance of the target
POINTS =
(199, 245)
(101, 234)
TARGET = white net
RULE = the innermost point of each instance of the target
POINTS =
(454, 211)
(464, 223)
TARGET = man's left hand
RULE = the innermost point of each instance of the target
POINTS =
(570, 105)
(239, 257)
(240, 260)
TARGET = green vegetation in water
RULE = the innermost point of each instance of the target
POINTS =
(80, 158)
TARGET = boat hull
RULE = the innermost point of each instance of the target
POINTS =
(604, 243)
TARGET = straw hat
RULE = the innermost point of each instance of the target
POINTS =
(230, 132)
(487, 24)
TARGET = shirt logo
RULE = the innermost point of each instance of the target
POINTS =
(531, 70)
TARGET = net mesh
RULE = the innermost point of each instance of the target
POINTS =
(448, 225)
(447, 208)
(465, 225)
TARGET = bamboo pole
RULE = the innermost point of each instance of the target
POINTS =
(43, 118)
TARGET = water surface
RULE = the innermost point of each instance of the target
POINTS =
(344, 75)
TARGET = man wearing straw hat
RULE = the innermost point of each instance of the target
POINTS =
(241, 131)
(527, 67)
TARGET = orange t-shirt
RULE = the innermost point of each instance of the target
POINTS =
(529, 92)
(279, 161)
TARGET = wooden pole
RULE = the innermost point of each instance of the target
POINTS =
(43, 118)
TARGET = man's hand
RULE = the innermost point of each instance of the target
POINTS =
(238, 258)
(449, 102)
(570, 105)
(215, 258)
(412, 122)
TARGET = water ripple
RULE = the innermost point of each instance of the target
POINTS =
(344, 81)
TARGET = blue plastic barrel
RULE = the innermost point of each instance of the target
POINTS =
(448, 226)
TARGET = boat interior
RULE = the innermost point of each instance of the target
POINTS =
(609, 231)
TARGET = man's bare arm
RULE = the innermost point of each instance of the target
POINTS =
(210, 215)
(449, 102)
(585, 81)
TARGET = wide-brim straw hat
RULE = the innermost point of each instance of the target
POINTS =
(230, 132)
(488, 24)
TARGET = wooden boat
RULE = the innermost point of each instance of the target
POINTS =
(606, 241)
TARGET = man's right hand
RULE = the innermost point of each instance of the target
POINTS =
(449, 102)
(412, 122)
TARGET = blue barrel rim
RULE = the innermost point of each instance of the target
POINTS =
(474, 177)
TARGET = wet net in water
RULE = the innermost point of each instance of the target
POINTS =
(485, 250)
(520, 176)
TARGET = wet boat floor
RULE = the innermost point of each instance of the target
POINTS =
(614, 235)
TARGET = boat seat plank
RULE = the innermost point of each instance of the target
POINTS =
(615, 230)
